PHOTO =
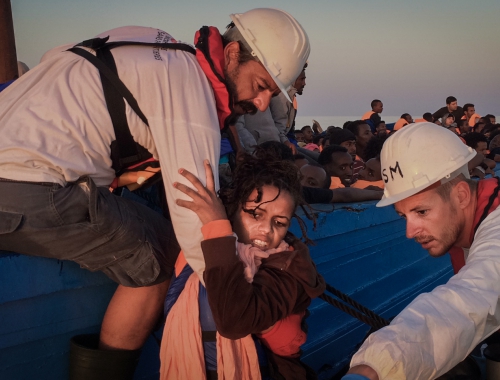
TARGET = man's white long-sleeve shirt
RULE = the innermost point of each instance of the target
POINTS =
(439, 329)
(55, 126)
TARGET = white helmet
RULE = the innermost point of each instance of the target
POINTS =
(278, 40)
(418, 156)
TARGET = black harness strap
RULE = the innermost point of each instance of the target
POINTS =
(209, 336)
(173, 46)
(124, 150)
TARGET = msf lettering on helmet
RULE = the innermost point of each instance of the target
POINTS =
(392, 171)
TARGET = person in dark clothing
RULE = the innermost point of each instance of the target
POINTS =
(428, 117)
(490, 118)
(345, 138)
(451, 107)
(363, 134)
(373, 116)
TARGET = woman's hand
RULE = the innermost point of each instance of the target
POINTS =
(205, 202)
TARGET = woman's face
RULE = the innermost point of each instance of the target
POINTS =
(266, 227)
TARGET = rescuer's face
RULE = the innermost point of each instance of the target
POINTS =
(249, 84)
(433, 222)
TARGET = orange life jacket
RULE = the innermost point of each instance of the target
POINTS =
(336, 183)
(420, 121)
(363, 184)
(472, 120)
(488, 199)
(367, 115)
(399, 124)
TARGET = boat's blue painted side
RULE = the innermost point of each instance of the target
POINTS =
(362, 250)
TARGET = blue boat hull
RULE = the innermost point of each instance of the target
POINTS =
(360, 249)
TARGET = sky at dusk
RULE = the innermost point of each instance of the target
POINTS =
(409, 54)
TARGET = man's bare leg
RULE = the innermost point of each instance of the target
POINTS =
(131, 316)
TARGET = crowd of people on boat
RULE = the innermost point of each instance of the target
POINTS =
(348, 157)
(231, 282)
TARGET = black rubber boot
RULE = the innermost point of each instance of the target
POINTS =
(87, 362)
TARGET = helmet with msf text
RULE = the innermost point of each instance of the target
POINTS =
(277, 40)
(418, 156)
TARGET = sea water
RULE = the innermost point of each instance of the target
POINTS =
(337, 121)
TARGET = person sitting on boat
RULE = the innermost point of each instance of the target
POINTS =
(479, 143)
(300, 160)
(427, 181)
(308, 134)
(462, 127)
(373, 116)
(370, 176)
(470, 114)
(259, 280)
(380, 128)
(451, 106)
(344, 137)
(313, 175)
(425, 117)
(316, 194)
(318, 140)
(59, 151)
(489, 118)
(362, 133)
(479, 126)
(404, 120)
(494, 146)
(337, 163)
(448, 122)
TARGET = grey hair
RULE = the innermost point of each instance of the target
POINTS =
(246, 52)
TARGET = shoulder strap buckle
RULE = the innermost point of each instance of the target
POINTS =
(94, 43)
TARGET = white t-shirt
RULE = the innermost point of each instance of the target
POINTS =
(55, 126)
(439, 329)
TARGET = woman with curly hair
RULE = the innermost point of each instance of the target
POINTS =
(259, 279)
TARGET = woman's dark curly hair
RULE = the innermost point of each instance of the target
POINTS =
(254, 172)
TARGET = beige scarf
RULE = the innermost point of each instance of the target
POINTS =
(181, 352)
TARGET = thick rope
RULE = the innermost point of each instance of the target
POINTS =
(344, 297)
(362, 313)
(352, 312)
